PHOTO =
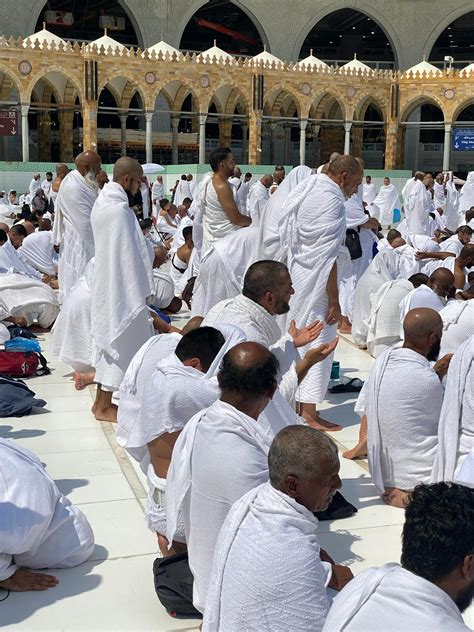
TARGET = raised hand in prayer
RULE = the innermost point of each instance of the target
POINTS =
(22, 581)
(341, 575)
(313, 356)
(441, 367)
(304, 336)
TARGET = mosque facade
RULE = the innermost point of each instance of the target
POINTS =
(371, 93)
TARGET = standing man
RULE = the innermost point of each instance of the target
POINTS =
(385, 203)
(258, 197)
(312, 229)
(46, 184)
(35, 184)
(369, 191)
(122, 282)
(157, 192)
(278, 177)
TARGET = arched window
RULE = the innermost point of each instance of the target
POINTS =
(456, 41)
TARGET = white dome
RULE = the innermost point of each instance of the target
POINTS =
(356, 65)
(312, 62)
(422, 67)
(107, 41)
(265, 57)
(163, 48)
(42, 36)
(212, 52)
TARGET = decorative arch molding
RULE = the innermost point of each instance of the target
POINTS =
(129, 89)
(235, 96)
(461, 107)
(376, 15)
(4, 70)
(416, 102)
(73, 85)
(281, 93)
(323, 100)
(360, 109)
(454, 14)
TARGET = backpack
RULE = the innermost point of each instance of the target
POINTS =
(353, 243)
(22, 364)
(16, 399)
(174, 585)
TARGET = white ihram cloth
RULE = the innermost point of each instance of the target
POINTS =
(452, 205)
(369, 193)
(383, 268)
(10, 260)
(37, 249)
(72, 342)
(355, 217)
(178, 273)
(145, 191)
(421, 296)
(268, 241)
(466, 194)
(456, 423)
(157, 191)
(178, 239)
(407, 254)
(220, 455)
(210, 221)
(392, 599)
(385, 203)
(404, 399)
(267, 573)
(40, 528)
(312, 229)
(242, 195)
(30, 298)
(34, 186)
(384, 319)
(46, 186)
(439, 198)
(223, 268)
(417, 209)
(163, 289)
(183, 191)
(452, 244)
(257, 198)
(122, 282)
(72, 229)
(458, 325)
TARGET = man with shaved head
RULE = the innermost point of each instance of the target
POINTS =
(72, 225)
(404, 398)
(433, 295)
(258, 197)
(312, 229)
(122, 282)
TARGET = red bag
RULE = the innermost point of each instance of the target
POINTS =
(19, 364)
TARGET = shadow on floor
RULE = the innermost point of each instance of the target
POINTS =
(66, 485)
(8, 432)
(339, 546)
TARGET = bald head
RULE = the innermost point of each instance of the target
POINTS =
(62, 169)
(128, 173)
(392, 235)
(441, 281)
(347, 173)
(160, 256)
(423, 329)
(45, 224)
(334, 155)
(29, 227)
(4, 227)
(267, 180)
(467, 256)
(88, 162)
(250, 370)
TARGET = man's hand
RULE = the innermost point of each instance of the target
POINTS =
(325, 557)
(371, 224)
(19, 321)
(341, 575)
(441, 367)
(334, 313)
(21, 581)
(313, 356)
(304, 336)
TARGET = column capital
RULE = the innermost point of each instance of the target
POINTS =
(175, 121)
(25, 108)
(123, 114)
(448, 127)
(347, 126)
(149, 116)
(303, 124)
(202, 118)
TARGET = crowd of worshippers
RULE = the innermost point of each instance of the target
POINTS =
(223, 416)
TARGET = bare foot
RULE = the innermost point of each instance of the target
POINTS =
(106, 414)
(318, 423)
(396, 497)
(81, 380)
(345, 329)
(359, 452)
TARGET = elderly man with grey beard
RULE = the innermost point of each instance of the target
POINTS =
(72, 226)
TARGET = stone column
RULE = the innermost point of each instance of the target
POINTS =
(303, 125)
(286, 143)
(225, 131)
(245, 129)
(66, 136)
(123, 132)
(202, 138)
(255, 137)
(347, 137)
(89, 117)
(149, 136)
(174, 140)
(25, 135)
(393, 142)
(447, 146)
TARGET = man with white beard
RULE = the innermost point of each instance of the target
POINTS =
(122, 283)
(369, 192)
(72, 225)
(313, 228)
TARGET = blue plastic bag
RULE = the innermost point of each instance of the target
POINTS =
(22, 344)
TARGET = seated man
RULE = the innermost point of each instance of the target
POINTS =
(433, 295)
(163, 297)
(38, 251)
(458, 321)
(434, 583)
(268, 572)
(455, 243)
(40, 527)
(27, 299)
(9, 258)
(165, 222)
(404, 398)
(456, 424)
(180, 260)
(457, 265)
(176, 391)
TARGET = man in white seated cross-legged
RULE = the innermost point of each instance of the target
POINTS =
(269, 572)
(28, 299)
(404, 395)
(434, 583)
(39, 527)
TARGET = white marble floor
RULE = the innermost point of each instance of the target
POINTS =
(114, 590)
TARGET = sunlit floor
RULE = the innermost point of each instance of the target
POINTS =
(114, 590)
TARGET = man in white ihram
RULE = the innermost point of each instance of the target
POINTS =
(72, 224)
(258, 197)
(312, 229)
(268, 572)
(122, 282)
